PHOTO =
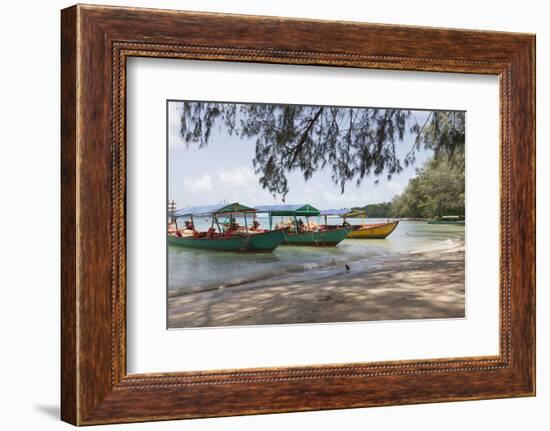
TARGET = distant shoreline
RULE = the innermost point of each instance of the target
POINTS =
(416, 285)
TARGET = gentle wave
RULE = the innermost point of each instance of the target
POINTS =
(292, 269)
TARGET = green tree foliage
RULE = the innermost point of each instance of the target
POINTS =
(437, 190)
(381, 210)
(352, 142)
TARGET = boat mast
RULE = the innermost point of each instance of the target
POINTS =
(215, 217)
(245, 223)
(172, 213)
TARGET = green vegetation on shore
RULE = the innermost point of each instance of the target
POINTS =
(437, 190)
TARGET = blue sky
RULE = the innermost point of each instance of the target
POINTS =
(223, 171)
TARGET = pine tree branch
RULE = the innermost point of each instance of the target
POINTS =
(298, 147)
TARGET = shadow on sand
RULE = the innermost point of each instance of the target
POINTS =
(413, 286)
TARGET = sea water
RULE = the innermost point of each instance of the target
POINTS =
(201, 270)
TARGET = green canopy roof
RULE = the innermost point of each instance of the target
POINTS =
(288, 210)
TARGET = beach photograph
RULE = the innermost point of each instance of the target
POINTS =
(302, 214)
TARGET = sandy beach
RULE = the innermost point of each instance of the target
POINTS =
(415, 285)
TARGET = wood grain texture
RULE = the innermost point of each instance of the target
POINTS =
(96, 41)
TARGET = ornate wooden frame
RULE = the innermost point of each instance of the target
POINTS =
(95, 42)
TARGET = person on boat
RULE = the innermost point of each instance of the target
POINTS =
(300, 225)
(345, 224)
(284, 225)
(230, 225)
(189, 225)
(173, 230)
(211, 232)
(312, 226)
(255, 225)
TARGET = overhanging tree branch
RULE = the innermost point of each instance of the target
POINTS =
(312, 135)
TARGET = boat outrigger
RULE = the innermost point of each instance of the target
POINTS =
(229, 236)
(299, 233)
(363, 230)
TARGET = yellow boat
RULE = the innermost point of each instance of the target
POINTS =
(362, 231)
(373, 231)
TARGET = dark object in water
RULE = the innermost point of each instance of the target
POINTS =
(347, 267)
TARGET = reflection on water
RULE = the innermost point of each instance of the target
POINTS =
(194, 270)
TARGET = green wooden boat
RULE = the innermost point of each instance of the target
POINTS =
(233, 238)
(295, 235)
(261, 242)
(317, 238)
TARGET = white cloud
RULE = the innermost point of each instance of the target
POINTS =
(346, 200)
(200, 185)
(310, 191)
(238, 176)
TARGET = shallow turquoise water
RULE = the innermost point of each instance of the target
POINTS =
(195, 270)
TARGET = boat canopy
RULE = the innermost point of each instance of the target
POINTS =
(345, 212)
(355, 213)
(213, 209)
(340, 212)
(288, 210)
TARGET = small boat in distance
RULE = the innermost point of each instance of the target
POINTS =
(227, 237)
(299, 233)
(363, 230)
(448, 220)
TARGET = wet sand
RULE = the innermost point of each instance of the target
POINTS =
(417, 285)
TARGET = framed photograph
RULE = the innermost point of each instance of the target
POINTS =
(266, 215)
